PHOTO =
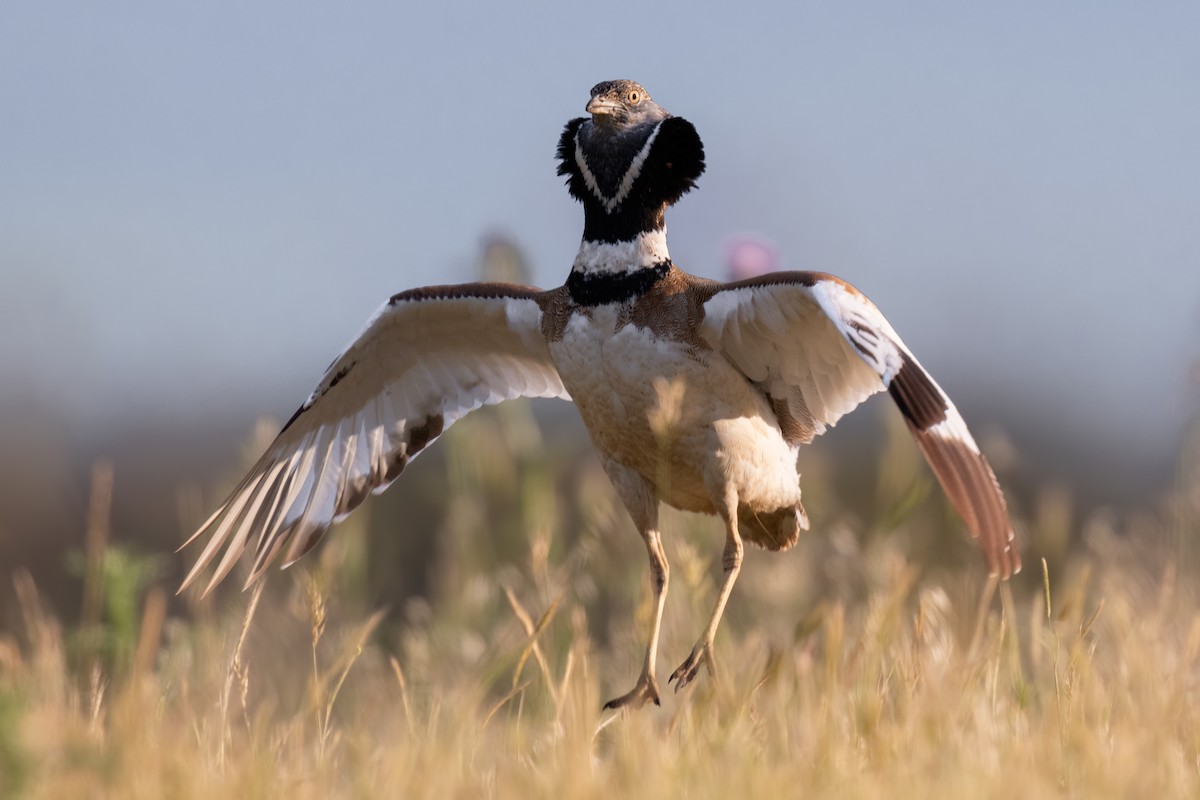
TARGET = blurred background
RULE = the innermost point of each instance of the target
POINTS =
(200, 204)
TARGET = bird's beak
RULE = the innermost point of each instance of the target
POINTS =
(598, 106)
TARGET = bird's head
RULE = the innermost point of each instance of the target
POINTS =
(620, 106)
(631, 158)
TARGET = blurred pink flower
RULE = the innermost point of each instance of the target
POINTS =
(749, 257)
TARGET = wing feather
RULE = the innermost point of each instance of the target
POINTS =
(423, 361)
(818, 348)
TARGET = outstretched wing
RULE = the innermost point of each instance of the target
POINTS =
(817, 347)
(425, 359)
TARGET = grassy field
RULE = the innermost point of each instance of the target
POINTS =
(874, 660)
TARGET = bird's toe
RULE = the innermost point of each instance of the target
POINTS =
(646, 691)
(687, 671)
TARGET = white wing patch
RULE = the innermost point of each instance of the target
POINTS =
(796, 344)
(817, 347)
(424, 360)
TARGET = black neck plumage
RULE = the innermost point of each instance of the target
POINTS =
(666, 171)
(595, 289)
(622, 225)
(625, 198)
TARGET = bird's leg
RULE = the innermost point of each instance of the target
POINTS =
(646, 688)
(732, 562)
(643, 507)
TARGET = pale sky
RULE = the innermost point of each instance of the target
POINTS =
(200, 203)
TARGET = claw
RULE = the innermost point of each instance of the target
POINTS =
(645, 691)
(701, 654)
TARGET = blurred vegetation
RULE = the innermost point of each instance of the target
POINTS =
(466, 649)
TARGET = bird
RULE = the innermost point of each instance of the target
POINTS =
(695, 393)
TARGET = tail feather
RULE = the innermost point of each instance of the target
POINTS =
(774, 530)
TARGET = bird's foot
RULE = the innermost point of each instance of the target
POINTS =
(646, 691)
(702, 653)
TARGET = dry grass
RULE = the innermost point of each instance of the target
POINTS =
(845, 672)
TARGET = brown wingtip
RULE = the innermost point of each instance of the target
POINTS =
(961, 469)
(1006, 565)
(972, 488)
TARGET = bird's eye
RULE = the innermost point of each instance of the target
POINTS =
(634, 98)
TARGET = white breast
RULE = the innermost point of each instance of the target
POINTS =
(682, 418)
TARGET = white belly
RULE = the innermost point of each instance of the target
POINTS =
(681, 417)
